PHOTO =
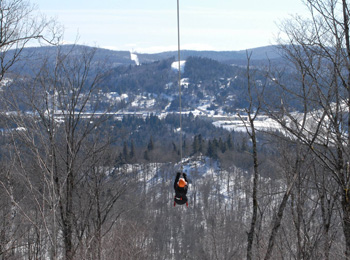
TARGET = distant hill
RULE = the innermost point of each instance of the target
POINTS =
(261, 53)
(213, 81)
(35, 56)
(111, 58)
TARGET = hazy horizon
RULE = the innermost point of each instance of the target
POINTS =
(151, 27)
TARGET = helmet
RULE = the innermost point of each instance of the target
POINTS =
(182, 183)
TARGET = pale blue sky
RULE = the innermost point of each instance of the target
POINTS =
(150, 25)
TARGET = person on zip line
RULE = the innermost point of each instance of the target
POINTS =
(180, 187)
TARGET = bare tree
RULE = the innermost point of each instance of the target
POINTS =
(252, 112)
(75, 185)
(318, 49)
(20, 25)
(292, 166)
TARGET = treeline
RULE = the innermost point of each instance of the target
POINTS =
(140, 129)
(151, 139)
(147, 78)
(202, 69)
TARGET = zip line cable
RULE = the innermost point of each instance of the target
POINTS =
(179, 80)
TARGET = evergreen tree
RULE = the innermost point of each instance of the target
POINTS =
(132, 149)
(229, 142)
(121, 159)
(244, 145)
(215, 142)
(200, 143)
(145, 155)
(212, 149)
(222, 146)
(125, 152)
(150, 145)
(195, 145)
(174, 147)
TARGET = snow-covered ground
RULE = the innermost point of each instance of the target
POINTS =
(143, 102)
(5, 81)
(231, 187)
(175, 65)
(198, 169)
(262, 123)
(134, 57)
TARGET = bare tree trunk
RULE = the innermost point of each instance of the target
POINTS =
(278, 217)
(250, 128)
(11, 227)
(346, 222)
(345, 199)
(254, 196)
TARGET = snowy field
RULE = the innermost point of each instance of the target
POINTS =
(262, 123)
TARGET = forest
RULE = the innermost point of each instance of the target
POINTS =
(79, 181)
